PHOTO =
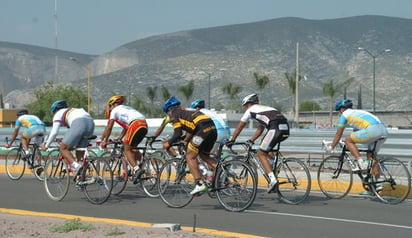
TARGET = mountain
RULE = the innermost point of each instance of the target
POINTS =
(328, 50)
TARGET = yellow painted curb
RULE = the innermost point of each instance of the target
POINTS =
(119, 222)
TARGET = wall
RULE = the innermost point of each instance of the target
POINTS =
(7, 117)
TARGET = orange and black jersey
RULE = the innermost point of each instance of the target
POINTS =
(189, 120)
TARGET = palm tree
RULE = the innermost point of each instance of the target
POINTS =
(292, 87)
(261, 82)
(330, 90)
(187, 90)
(232, 90)
(346, 84)
(151, 94)
(165, 93)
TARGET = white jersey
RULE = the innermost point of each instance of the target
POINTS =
(222, 128)
(124, 115)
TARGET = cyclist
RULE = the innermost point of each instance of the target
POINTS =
(203, 136)
(33, 128)
(166, 120)
(134, 130)
(223, 129)
(368, 128)
(80, 125)
(277, 130)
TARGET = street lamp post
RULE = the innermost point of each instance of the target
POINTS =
(209, 75)
(88, 81)
(374, 72)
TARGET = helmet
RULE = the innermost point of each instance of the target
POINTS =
(22, 112)
(200, 103)
(251, 98)
(172, 101)
(116, 99)
(345, 103)
(107, 112)
(57, 105)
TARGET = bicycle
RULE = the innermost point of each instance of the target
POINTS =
(388, 179)
(151, 162)
(17, 160)
(233, 182)
(294, 180)
(95, 179)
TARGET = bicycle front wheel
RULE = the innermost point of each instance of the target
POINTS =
(97, 180)
(56, 177)
(174, 183)
(15, 165)
(394, 181)
(235, 185)
(151, 166)
(294, 181)
(335, 177)
(120, 173)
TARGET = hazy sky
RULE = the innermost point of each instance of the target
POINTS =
(99, 26)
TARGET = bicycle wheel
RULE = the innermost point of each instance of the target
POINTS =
(38, 165)
(151, 166)
(395, 179)
(174, 183)
(335, 177)
(294, 181)
(235, 185)
(56, 177)
(15, 165)
(119, 172)
(97, 180)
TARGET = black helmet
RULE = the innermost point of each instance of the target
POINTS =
(345, 103)
(59, 104)
(22, 112)
(251, 98)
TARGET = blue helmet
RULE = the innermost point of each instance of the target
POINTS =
(57, 105)
(172, 101)
(345, 103)
(200, 103)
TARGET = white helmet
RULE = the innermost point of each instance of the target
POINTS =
(251, 98)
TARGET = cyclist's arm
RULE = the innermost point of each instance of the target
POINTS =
(107, 132)
(14, 136)
(238, 129)
(257, 133)
(337, 137)
(53, 134)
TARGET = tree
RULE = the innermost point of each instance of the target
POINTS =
(151, 94)
(232, 90)
(50, 93)
(165, 93)
(308, 106)
(187, 90)
(346, 84)
(330, 90)
(360, 97)
(261, 82)
(292, 87)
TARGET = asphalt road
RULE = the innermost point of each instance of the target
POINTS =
(353, 216)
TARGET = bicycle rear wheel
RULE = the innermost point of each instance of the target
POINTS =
(395, 179)
(174, 183)
(151, 166)
(294, 181)
(56, 177)
(335, 177)
(38, 165)
(97, 180)
(15, 165)
(235, 185)
(120, 175)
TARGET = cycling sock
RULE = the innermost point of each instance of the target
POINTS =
(272, 176)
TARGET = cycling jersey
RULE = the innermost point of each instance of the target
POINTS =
(274, 121)
(34, 127)
(79, 122)
(196, 123)
(357, 119)
(124, 115)
(223, 129)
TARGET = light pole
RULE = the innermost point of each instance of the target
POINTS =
(209, 75)
(374, 73)
(88, 81)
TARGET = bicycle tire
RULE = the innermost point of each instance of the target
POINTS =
(333, 184)
(120, 175)
(38, 165)
(175, 184)
(294, 181)
(235, 185)
(56, 177)
(396, 181)
(97, 180)
(151, 166)
(15, 165)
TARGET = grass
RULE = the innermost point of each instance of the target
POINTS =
(115, 232)
(71, 225)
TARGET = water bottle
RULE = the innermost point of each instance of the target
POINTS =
(203, 169)
(209, 176)
(351, 162)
